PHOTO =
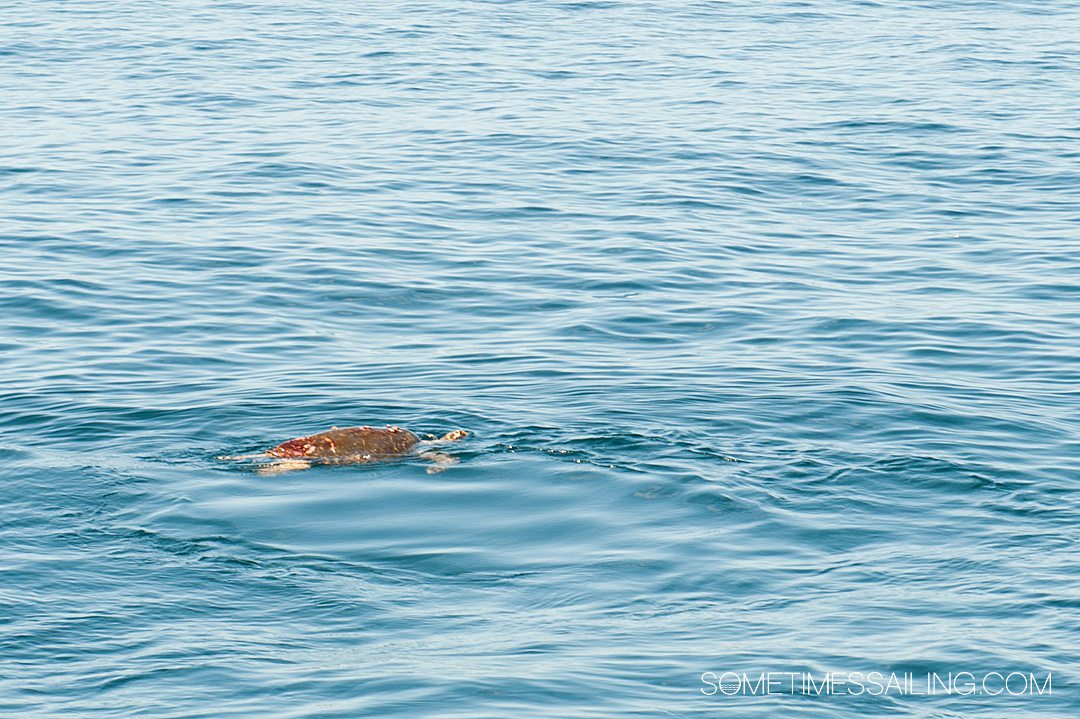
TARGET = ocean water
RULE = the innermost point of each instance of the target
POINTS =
(764, 316)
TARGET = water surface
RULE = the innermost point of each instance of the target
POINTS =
(764, 317)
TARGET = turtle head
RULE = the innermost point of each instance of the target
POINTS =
(454, 436)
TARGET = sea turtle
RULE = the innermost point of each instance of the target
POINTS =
(354, 445)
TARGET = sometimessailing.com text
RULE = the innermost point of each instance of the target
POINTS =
(874, 683)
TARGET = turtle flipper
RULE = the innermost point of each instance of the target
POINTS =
(440, 461)
(283, 465)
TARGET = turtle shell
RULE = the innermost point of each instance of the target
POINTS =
(351, 444)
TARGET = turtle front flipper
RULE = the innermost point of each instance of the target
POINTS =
(440, 461)
(283, 465)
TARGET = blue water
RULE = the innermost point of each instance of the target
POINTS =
(765, 317)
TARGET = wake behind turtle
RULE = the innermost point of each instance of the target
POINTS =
(354, 445)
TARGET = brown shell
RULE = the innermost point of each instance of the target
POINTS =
(350, 444)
